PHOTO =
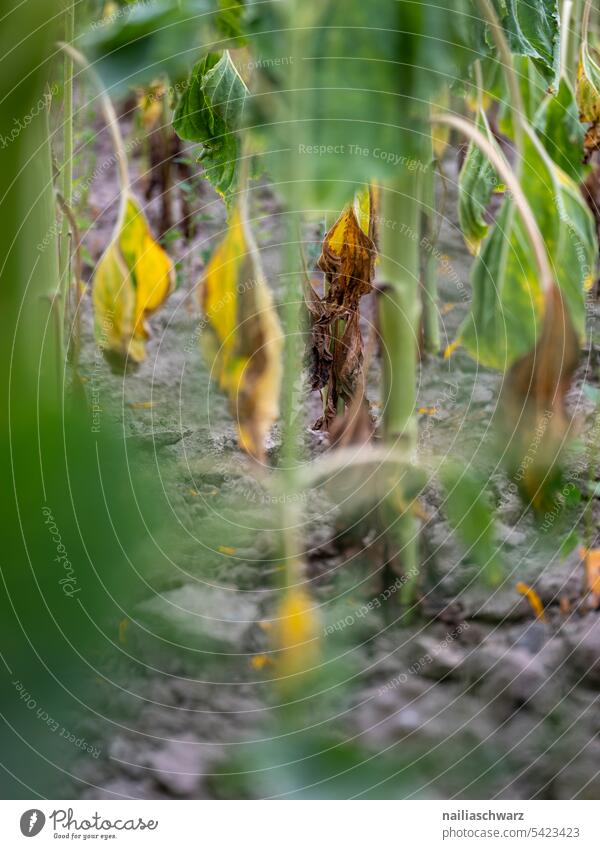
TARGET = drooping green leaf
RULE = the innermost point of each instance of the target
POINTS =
(533, 30)
(475, 187)
(558, 126)
(508, 302)
(210, 112)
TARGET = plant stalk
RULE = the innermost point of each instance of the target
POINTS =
(399, 316)
(110, 116)
(429, 292)
(66, 180)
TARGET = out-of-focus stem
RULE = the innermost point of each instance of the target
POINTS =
(400, 309)
(110, 116)
(66, 181)
(399, 317)
(431, 328)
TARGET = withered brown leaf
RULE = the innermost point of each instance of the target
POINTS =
(336, 350)
(536, 419)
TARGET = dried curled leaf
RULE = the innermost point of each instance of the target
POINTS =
(244, 340)
(133, 278)
(532, 597)
(348, 261)
(536, 420)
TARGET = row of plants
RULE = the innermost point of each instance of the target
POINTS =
(291, 91)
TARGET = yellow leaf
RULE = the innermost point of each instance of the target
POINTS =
(133, 278)
(143, 405)
(227, 549)
(591, 560)
(244, 341)
(362, 209)
(110, 9)
(296, 633)
(150, 104)
(259, 661)
(427, 411)
(450, 349)
(149, 264)
(532, 597)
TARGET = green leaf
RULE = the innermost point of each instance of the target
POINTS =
(532, 86)
(154, 38)
(558, 126)
(508, 303)
(350, 102)
(533, 30)
(475, 188)
(569, 543)
(230, 20)
(210, 112)
(469, 511)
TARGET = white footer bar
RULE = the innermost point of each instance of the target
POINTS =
(301, 824)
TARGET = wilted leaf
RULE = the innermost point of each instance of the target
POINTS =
(210, 112)
(533, 404)
(475, 188)
(243, 341)
(150, 104)
(588, 97)
(348, 261)
(508, 303)
(133, 278)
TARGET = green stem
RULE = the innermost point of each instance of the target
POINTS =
(400, 308)
(431, 329)
(565, 22)
(573, 37)
(293, 300)
(66, 181)
(110, 116)
(399, 316)
(66, 185)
